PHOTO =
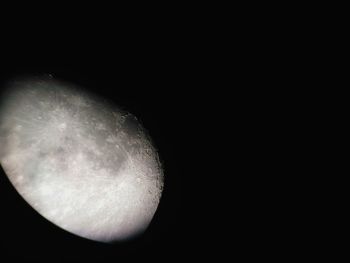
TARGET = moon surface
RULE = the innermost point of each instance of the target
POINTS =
(80, 161)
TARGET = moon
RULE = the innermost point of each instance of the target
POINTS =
(80, 161)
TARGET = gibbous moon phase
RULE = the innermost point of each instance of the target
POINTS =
(80, 161)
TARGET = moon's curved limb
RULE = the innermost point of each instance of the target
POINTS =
(85, 165)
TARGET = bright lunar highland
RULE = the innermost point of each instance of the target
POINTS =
(80, 161)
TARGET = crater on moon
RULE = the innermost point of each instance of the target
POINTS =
(80, 161)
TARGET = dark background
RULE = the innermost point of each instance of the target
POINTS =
(156, 84)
